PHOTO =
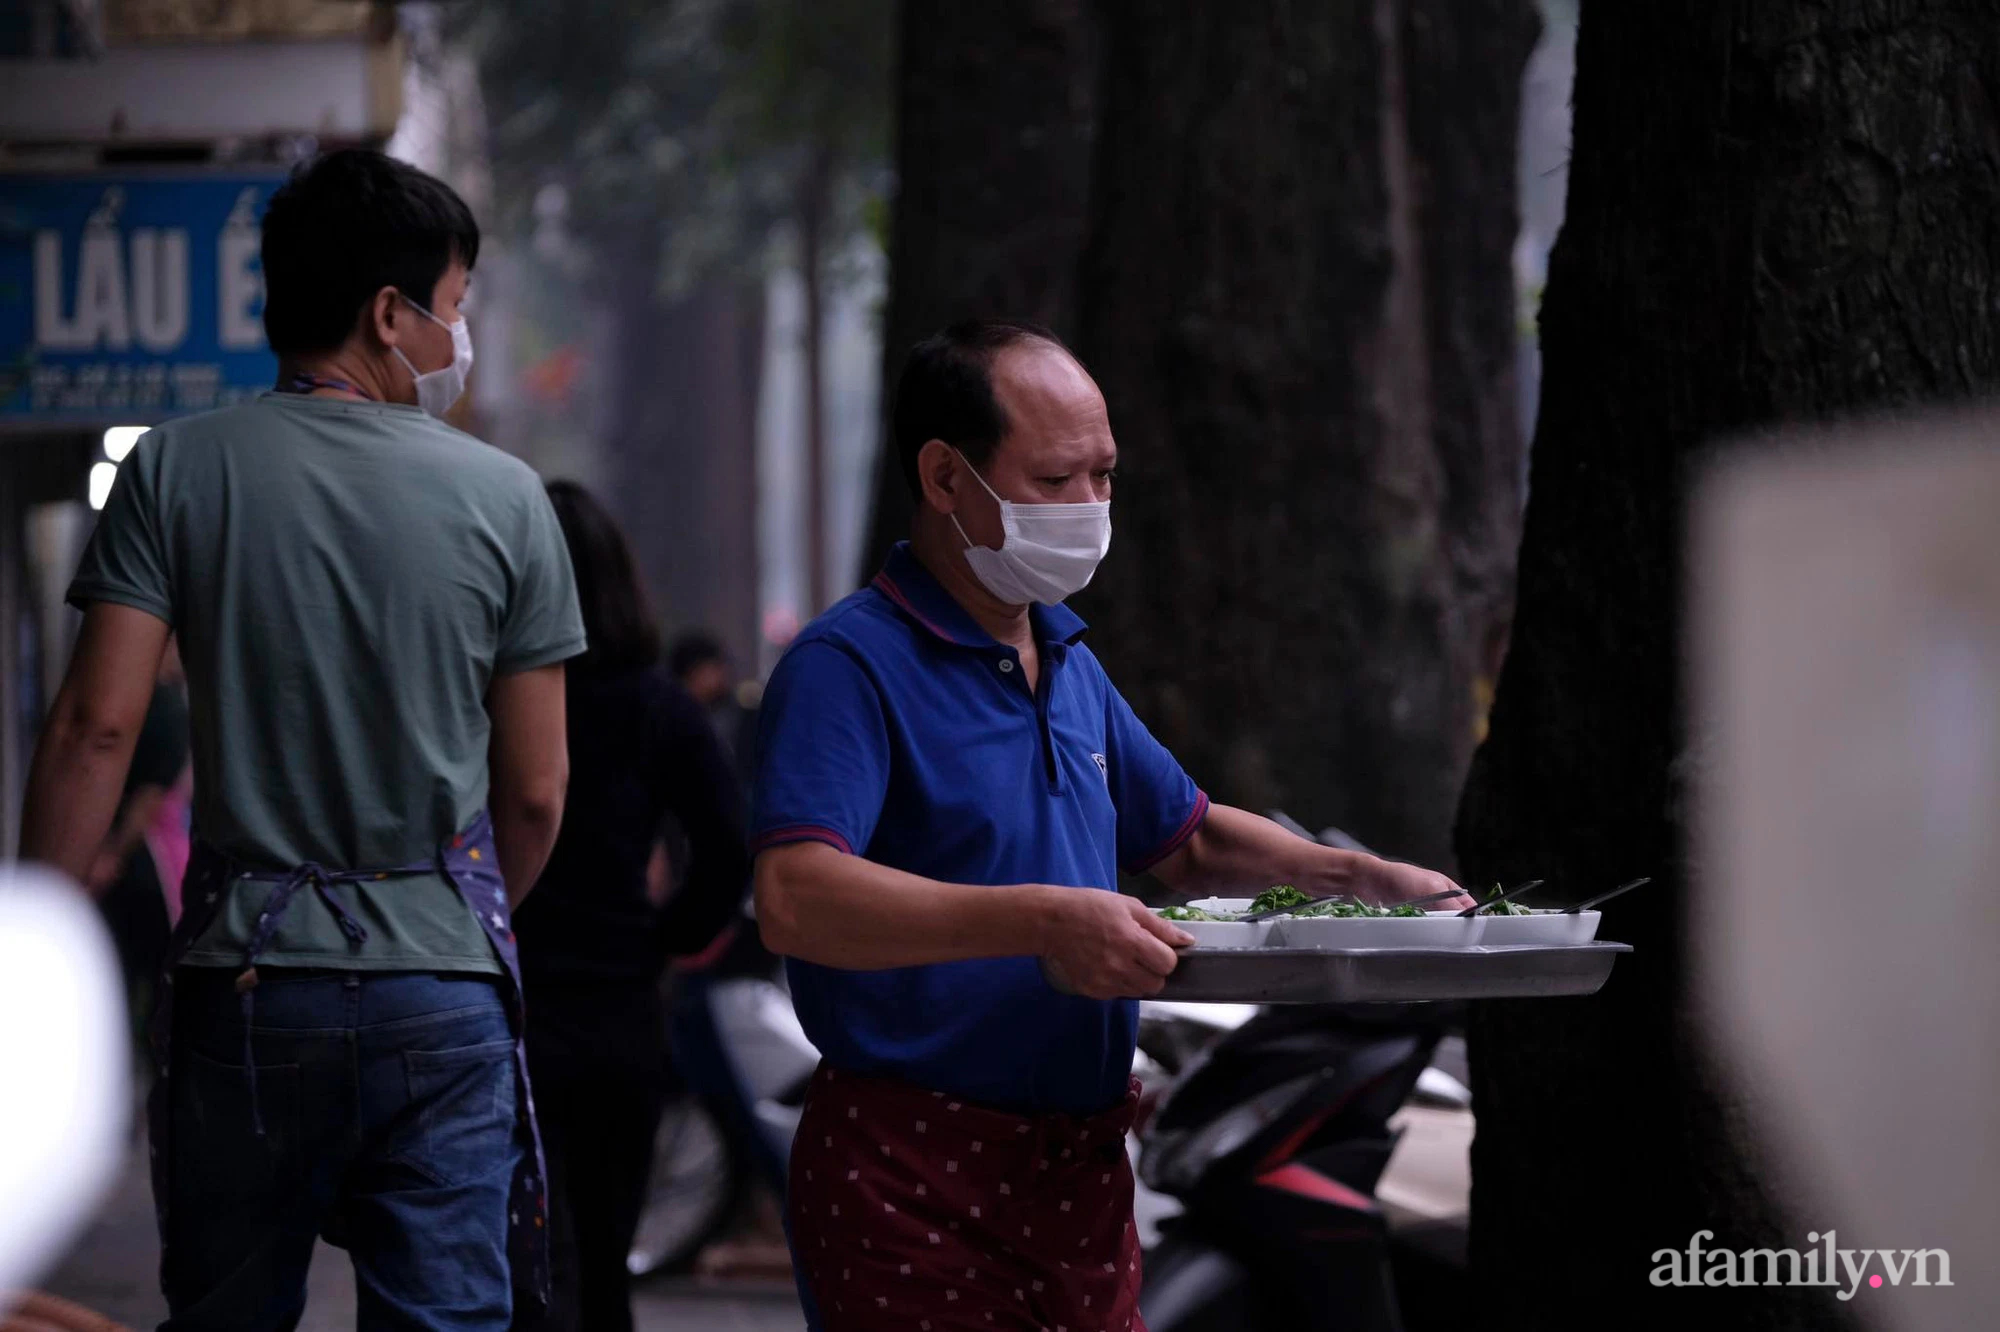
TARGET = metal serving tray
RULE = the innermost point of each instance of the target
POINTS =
(1388, 975)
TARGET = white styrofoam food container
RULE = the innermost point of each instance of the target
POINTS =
(1434, 929)
(1225, 906)
(1549, 928)
(1226, 933)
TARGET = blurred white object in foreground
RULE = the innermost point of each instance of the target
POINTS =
(1846, 600)
(64, 1068)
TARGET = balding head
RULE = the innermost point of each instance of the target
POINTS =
(956, 385)
(1046, 397)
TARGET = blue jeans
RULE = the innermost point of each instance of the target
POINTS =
(388, 1103)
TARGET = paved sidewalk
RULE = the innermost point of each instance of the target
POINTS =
(113, 1270)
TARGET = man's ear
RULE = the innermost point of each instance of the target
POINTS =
(384, 317)
(937, 472)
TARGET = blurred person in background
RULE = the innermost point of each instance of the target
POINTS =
(136, 876)
(373, 610)
(699, 661)
(593, 944)
(702, 667)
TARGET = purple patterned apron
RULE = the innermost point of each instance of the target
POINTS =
(468, 862)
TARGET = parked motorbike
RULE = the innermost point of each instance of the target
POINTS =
(1274, 1143)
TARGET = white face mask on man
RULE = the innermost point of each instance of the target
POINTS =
(1049, 551)
(438, 390)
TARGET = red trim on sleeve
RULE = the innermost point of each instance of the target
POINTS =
(1178, 840)
(800, 832)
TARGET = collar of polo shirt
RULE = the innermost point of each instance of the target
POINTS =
(906, 582)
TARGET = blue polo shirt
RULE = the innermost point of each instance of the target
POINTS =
(897, 729)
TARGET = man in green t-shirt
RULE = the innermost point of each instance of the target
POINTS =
(373, 610)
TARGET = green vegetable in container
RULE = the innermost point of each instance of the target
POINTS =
(1184, 913)
(1358, 911)
(1283, 895)
(1332, 910)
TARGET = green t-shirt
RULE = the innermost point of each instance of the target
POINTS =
(345, 579)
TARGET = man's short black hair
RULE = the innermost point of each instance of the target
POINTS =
(946, 391)
(694, 648)
(346, 225)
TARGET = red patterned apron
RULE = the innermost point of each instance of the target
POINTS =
(909, 1209)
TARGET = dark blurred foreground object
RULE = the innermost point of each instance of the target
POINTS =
(1776, 213)
(593, 943)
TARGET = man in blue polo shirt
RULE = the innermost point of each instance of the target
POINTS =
(948, 785)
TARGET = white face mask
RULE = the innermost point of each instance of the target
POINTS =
(438, 389)
(1049, 552)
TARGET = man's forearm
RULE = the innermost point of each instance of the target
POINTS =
(822, 905)
(86, 744)
(523, 836)
(527, 762)
(1237, 853)
(73, 789)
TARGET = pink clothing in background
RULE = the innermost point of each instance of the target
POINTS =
(167, 840)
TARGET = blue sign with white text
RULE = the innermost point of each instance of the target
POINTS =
(131, 298)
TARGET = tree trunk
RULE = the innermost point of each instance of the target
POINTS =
(814, 201)
(683, 444)
(1298, 300)
(995, 108)
(1780, 211)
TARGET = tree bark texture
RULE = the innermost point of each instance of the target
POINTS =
(1779, 211)
(683, 440)
(815, 201)
(1298, 300)
(995, 114)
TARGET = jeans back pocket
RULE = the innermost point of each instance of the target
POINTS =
(463, 1110)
